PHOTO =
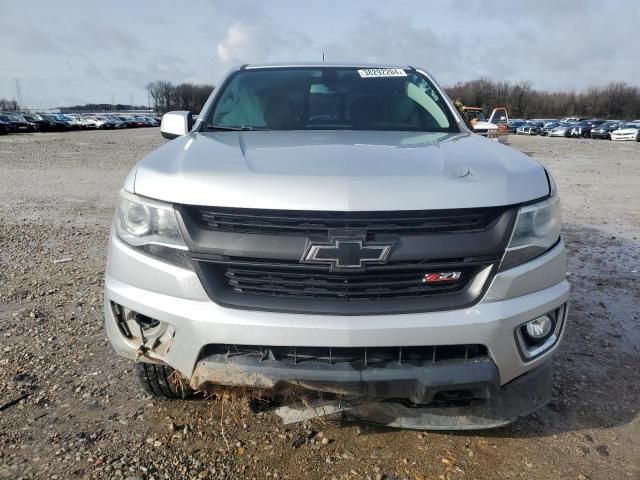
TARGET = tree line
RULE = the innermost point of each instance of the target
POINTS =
(102, 107)
(616, 100)
(185, 96)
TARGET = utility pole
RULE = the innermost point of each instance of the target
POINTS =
(18, 94)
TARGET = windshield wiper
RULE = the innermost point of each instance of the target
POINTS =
(233, 129)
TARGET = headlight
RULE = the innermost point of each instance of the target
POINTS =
(537, 230)
(150, 226)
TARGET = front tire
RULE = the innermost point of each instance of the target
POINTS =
(161, 381)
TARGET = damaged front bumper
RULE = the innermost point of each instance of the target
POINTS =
(448, 394)
(423, 376)
(518, 398)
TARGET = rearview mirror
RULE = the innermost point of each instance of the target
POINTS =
(176, 124)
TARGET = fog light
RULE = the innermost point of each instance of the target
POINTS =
(540, 328)
(142, 331)
(537, 336)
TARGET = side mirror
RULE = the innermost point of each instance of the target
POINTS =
(176, 124)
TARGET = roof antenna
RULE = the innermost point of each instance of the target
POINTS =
(322, 57)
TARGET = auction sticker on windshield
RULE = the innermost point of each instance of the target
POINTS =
(382, 72)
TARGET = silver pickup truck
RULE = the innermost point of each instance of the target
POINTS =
(338, 228)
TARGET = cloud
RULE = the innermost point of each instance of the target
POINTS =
(240, 41)
(398, 40)
(553, 46)
(258, 42)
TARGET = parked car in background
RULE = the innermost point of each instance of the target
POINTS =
(17, 123)
(562, 130)
(31, 126)
(583, 129)
(41, 123)
(130, 122)
(529, 128)
(547, 127)
(56, 124)
(604, 130)
(144, 121)
(113, 121)
(108, 122)
(93, 122)
(514, 124)
(84, 121)
(117, 123)
(152, 121)
(70, 120)
(628, 132)
(4, 127)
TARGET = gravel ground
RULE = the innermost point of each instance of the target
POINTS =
(69, 408)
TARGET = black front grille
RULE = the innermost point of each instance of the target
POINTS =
(304, 223)
(296, 281)
(356, 356)
(295, 287)
(254, 259)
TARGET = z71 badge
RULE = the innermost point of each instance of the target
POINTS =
(441, 277)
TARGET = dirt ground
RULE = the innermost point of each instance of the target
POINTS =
(69, 408)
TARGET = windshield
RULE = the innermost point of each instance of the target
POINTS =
(330, 99)
(475, 115)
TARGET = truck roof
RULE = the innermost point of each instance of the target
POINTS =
(324, 64)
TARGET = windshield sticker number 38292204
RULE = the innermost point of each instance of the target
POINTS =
(382, 72)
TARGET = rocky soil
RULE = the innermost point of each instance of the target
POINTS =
(69, 408)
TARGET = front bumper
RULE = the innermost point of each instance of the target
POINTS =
(419, 383)
(175, 295)
(518, 398)
(624, 138)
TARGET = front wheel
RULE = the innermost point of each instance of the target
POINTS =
(162, 381)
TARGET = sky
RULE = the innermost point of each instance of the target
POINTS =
(68, 52)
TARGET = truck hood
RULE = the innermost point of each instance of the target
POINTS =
(338, 170)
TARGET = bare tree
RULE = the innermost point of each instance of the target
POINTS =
(186, 96)
(10, 105)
